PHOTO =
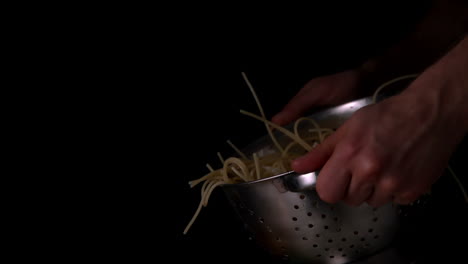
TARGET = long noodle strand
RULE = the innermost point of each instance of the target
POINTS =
(260, 108)
(460, 185)
(283, 130)
(404, 77)
(266, 164)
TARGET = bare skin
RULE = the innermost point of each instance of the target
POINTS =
(440, 29)
(328, 90)
(393, 150)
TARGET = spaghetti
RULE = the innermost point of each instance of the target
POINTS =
(245, 169)
(262, 165)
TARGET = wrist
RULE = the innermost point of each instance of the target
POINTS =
(445, 85)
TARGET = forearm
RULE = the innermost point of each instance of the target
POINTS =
(443, 89)
(443, 25)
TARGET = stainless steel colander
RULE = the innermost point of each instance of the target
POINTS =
(285, 215)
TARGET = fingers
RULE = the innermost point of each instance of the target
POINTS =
(379, 197)
(384, 191)
(366, 171)
(408, 196)
(326, 90)
(405, 198)
(300, 103)
(394, 189)
(317, 157)
(333, 181)
(359, 192)
(293, 110)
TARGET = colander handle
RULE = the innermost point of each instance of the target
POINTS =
(296, 182)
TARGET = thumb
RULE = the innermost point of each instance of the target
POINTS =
(317, 157)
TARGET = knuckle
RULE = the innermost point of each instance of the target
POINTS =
(348, 149)
(369, 166)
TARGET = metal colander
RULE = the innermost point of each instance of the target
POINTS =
(285, 215)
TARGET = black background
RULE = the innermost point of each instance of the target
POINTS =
(132, 106)
(196, 109)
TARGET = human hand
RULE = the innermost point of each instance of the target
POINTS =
(385, 152)
(396, 149)
(322, 91)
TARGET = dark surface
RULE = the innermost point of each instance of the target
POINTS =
(206, 113)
